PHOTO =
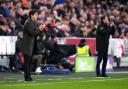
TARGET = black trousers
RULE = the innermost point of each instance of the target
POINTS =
(27, 67)
(104, 57)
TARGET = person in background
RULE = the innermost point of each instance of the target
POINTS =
(104, 30)
(28, 47)
(126, 42)
(12, 26)
(83, 48)
(3, 31)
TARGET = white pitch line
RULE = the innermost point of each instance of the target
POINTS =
(34, 83)
(119, 72)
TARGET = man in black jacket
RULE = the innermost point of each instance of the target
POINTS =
(104, 30)
(28, 46)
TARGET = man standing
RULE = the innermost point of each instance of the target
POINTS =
(28, 46)
(104, 30)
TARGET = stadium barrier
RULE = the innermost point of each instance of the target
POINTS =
(116, 47)
(7, 47)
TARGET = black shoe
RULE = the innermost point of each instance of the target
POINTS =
(29, 79)
(105, 75)
(98, 76)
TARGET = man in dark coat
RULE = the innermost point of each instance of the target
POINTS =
(104, 30)
(28, 46)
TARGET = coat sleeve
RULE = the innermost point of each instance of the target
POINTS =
(112, 30)
(31, 30)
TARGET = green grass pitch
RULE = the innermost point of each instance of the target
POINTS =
(71, 81)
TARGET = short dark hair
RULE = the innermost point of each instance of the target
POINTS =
(32, 12)
(103, 17)
(82, 41)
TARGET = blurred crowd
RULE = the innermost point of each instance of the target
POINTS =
(64, 18)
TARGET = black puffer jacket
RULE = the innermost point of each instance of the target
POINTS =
(102, 37)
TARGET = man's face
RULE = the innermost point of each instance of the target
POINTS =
(35, 16)
(12, 24)
(106, 20)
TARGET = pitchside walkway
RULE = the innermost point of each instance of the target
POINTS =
(18, 76)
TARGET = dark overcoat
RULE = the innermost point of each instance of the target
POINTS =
(30, 33)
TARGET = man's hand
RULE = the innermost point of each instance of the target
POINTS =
(112, 24)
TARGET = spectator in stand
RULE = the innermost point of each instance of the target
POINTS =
(3, 29)
(12, 27)
(72, 11)
(2, 32)
(4, 9)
